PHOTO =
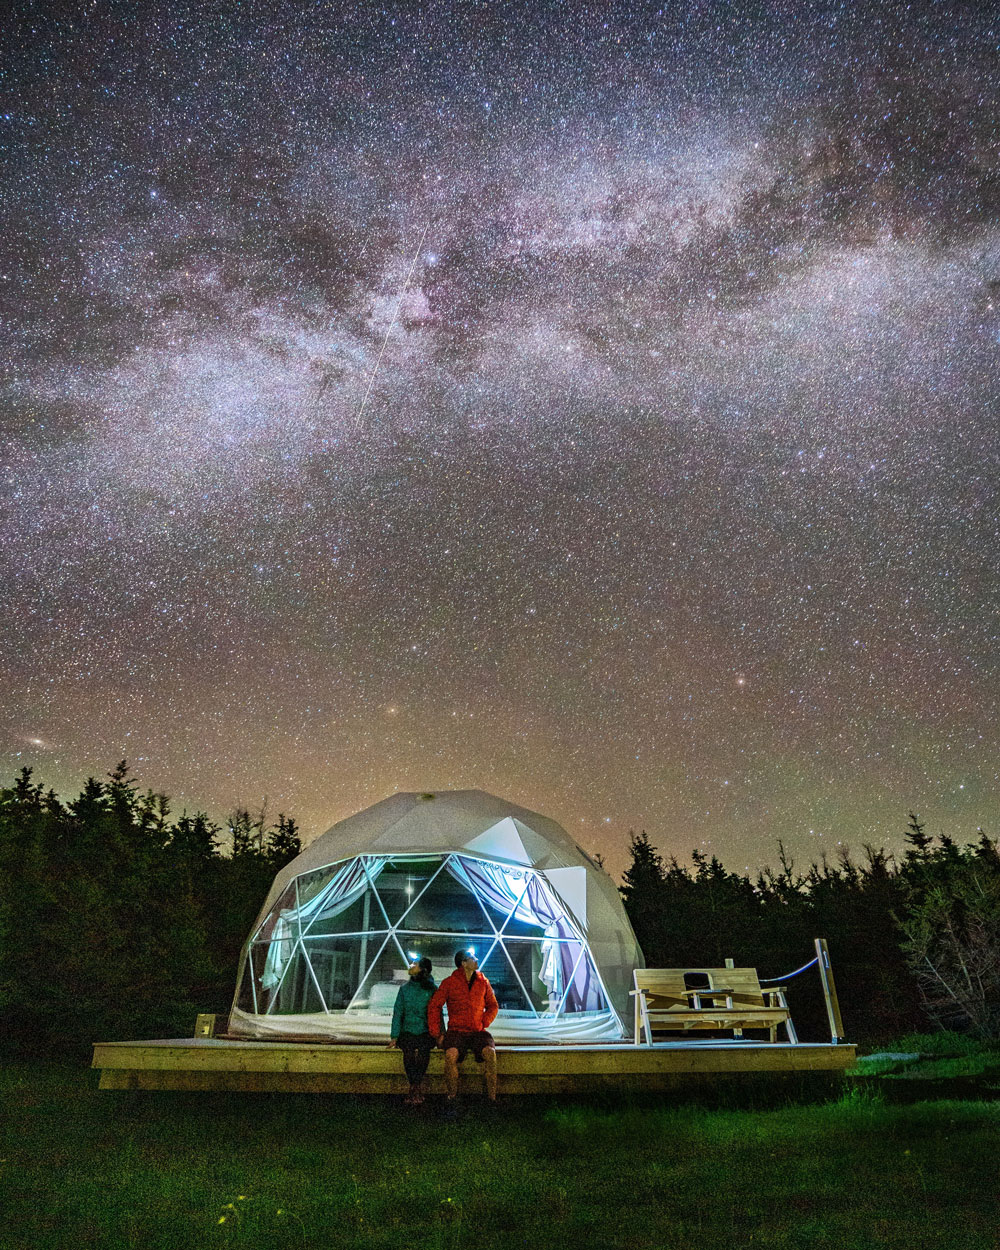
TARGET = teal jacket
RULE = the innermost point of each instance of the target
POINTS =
(410, 1013)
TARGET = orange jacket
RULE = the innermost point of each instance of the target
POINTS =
(472, 1006)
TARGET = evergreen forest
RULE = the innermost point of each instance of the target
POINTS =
(120, 920)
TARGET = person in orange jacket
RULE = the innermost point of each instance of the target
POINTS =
(472, 1008)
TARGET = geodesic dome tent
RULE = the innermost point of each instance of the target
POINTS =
(429, 874)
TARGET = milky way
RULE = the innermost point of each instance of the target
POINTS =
(598, 408)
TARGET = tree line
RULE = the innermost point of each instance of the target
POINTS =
(119, 920)
(914, 940)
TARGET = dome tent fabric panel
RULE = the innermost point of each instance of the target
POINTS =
(445, 821)
(501, 841)
(571, 886)
(578, 936)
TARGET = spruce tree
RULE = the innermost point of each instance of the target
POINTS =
(642, 892)
(918, 842)
(282, 843)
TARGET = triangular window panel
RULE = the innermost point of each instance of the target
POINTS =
(337, 965)
(270, 960)
(379, 985)
(286, 906)
(447, 906)
(517, 926)
(401, 881)
(312, 999)
(535, 963)
(502, 976)
(578, 982)
(311, 883)
(361, 915)
(245, 998)
(257, 964)
(297, 992)
(504, 895)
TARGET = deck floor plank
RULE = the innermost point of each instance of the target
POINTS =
(295, 1067)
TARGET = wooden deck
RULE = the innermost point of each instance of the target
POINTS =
(302, 1067)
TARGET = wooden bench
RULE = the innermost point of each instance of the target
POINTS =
(707, 998)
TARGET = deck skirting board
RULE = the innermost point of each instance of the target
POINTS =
(251, 1067)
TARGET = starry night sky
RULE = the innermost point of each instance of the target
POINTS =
(595, 404)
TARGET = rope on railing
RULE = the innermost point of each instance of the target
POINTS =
(789, 976)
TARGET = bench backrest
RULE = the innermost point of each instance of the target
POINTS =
(665, 988)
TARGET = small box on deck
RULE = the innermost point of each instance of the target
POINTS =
(204, 1026)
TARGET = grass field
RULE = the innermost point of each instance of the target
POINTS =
(939, 1056)
(86, 1169)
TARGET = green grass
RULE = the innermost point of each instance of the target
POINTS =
(88, 1169)
(942, 1056)
(944, 1043)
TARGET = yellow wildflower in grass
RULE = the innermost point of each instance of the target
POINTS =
(222, 1219)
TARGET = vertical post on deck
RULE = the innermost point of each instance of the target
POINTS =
(731, 963)
(829, 991)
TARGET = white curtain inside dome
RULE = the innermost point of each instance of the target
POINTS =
(337, 942)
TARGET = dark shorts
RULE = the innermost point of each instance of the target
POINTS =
(464, 1042)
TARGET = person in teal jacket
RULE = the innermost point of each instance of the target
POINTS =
(409, 1032)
